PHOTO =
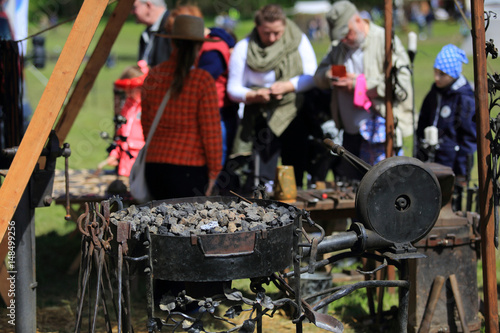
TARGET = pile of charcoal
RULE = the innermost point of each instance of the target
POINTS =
(185, 219)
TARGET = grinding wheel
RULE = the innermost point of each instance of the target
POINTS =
(400, 199)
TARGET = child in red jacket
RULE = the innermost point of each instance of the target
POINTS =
(129, 138)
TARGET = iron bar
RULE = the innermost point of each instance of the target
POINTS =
(120, 266)
(348, 289)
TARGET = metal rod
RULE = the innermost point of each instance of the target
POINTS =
(86, 275)
(484, 174)
(354, 160)
(120, 265)
(127, 300)
(99, 258)
(404, 298)
(66, 179)
(348, 289)
(239, 196)
(296, 267)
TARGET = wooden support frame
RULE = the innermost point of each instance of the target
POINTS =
(389, 117)
(487, 207)
(48, 108)
(94, 65)
(75, 102)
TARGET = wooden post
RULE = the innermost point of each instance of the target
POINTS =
(48, 108)
(389, 118)
(487, 208)
(94, 65)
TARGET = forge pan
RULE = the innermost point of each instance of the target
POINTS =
(221, 257)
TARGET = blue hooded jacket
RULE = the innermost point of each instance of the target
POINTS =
(451, 110)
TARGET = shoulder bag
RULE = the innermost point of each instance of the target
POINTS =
(138, 186)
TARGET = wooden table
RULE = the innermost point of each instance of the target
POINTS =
(330, 207)
(86, 186)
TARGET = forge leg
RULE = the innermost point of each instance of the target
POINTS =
(25, 274)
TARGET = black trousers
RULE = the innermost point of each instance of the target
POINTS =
(167, 181)
(352, 143)
(292, 146)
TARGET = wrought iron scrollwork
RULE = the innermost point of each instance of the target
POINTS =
(494, 137)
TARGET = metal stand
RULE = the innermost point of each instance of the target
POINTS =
(25, 267)
(36, 194)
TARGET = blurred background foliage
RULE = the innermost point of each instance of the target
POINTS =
(62, 9)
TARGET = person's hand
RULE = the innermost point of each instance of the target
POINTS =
(346, 83)
(261, 95)
(112, 161)
(279, 88)
(210, 188)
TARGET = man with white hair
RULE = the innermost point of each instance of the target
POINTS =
(153, 13)
(358, 91)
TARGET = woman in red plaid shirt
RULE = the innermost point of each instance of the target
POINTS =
(185, 153)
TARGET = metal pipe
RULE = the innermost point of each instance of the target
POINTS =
(341, 241)
(25, 273)
(404, 298)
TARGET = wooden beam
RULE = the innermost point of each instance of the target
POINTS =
(48, 108)
(94, 65)
(487, 208)
(389, 118)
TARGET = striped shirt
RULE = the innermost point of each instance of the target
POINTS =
(189, 132)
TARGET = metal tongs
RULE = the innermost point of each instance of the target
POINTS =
(355, 161)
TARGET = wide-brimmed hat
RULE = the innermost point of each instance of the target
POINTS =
(190, 28)
(338, 18)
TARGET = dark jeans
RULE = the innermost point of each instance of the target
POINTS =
(292, 146)
(352, 143)
(166, 181)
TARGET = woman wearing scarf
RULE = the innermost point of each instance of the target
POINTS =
(267, 72)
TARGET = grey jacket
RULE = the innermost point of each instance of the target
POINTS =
(373, 61)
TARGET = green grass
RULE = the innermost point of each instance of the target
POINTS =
(88, 149)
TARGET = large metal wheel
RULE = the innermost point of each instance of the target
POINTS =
(400, 199)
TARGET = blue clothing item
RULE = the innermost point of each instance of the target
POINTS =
(213, 62)
(449, 60)
(224, 35)
(373, 131)
(451, 110)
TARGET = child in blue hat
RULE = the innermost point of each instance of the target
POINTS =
(447, 117)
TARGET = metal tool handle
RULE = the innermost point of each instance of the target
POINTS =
(66, 180)
(431, 304)
(355, 161)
